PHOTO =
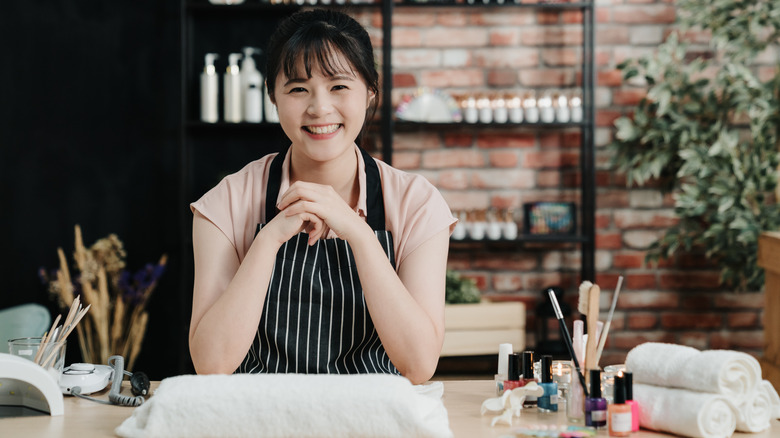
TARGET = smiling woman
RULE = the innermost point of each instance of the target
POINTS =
(320, 259)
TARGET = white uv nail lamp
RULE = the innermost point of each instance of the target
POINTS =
(24, 384)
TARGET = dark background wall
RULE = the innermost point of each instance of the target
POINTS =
(89, 135)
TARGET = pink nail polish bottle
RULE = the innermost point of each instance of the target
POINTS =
(628, 380)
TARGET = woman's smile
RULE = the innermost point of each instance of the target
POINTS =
(319, 130)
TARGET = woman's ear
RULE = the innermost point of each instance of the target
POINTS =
(371, 97)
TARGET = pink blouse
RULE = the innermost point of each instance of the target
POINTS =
(414, 209)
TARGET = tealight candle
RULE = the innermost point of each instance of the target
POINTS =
(530, 109)
(515, 105)
(575, 102)
(470, 112)
(546, 111)
(485, 110)
(562, 113)
(499, 109)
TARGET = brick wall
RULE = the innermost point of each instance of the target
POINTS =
(483, 49)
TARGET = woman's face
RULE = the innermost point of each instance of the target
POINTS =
(324, 114)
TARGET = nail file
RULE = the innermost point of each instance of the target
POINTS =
(591, 361)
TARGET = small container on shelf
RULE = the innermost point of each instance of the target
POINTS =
(459, 233)
(575, 103)
(546, 218)
(468, 105)
(494, 227)
(546, 110)
(530, 109)
(514, 104)
(500, 113)
(485, 109)
(477, 227)
(561, 105)
(508, 225)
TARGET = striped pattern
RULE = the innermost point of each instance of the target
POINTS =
(315, 318)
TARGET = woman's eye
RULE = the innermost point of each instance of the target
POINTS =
(297, 90)
(339, 87)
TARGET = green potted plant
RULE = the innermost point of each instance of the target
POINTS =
(707, 132)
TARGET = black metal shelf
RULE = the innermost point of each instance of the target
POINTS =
(494, 4)
(201, 7)
(405, 125)
(197, 13)
(228, 125)
(521, 239)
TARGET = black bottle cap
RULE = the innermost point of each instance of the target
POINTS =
(513, 367)
(545, 370)
(628, 380)
(595, 383)
(528, 364)
(619, 396)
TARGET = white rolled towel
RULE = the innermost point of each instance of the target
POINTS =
(684, 412)
(288, 405)
(755, 412)
(726, 372)
(774, 399)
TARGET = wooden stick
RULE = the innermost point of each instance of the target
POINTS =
(72, 312)
(591, 361)
(76, 320)
(45, 339)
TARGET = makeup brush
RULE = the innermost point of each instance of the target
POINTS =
(567, 338)
(588, 305)
(605, 331)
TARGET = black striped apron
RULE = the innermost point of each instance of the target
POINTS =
(315, 318)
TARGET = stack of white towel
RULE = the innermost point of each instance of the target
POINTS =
(694, 393)
(290, 405)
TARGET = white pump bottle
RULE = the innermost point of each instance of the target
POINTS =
(251, 86)
(232, 86)
(209, 90)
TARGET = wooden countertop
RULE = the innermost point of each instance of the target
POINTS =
(463, 398)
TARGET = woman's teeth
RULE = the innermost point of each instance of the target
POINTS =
(323, 129)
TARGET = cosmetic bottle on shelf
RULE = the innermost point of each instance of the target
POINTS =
(232, 89)
(209, 90)
(595, 405)
(628, 382)
(619, 413)
(549, 401)
(251, 83)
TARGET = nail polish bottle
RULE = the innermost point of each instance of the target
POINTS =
(619, 413)
(528, 377)
(628, 381)
(549, 401)
(513, 372)
(595, 405)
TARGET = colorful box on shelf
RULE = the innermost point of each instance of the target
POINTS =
(549, 218)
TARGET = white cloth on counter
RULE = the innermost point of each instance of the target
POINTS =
(288, 405)
(684, 412)
(730, 373)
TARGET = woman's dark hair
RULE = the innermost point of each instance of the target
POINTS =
(315, 37)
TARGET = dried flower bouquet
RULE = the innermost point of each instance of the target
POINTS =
(117, 321)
